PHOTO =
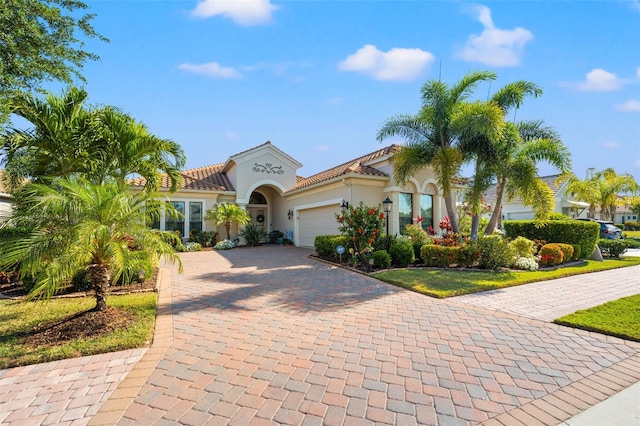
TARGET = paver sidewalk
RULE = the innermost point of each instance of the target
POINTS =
(267, 336)
(548, 300)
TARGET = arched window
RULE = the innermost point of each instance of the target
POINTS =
(257, 198)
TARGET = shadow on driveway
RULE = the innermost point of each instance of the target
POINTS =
(269, 277)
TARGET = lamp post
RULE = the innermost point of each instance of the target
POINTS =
(387, 209)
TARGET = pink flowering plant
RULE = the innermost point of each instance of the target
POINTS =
(361, 226)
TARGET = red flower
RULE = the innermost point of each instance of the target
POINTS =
(369, 241)
(381, 215)
(372, 211)
(359, 230)
(341, 219)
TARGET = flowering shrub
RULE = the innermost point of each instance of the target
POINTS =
(191, 246)
(416, 233)
(551, 255)
(224, 245)
(526, 263)
(361, 226)
(567, 251)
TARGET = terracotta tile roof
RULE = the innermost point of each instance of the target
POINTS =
(202, 178)
(357, 166)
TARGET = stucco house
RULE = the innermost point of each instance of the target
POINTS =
(6, 201)
(264, 181)
(564, 202)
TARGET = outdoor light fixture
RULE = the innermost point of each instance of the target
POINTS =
(387, 209)
(141, 275)
(290, 214)
(344, 205)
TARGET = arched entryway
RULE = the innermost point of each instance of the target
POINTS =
(258, 209)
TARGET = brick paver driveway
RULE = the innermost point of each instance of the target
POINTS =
(267, 336)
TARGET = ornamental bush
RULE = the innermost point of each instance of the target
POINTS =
(468, 255)
(381, 259)
(551, 255)
(523, 247)
(325, 245)
(494, 252)
(612, 248)
(575, 232)
(402, 253)
(567, 251)
(191, 246)
(224, 245)
(439, 256)
(632, 226)
(253, 234)
(362, 226)
(526, 264)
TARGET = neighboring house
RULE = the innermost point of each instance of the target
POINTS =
(564, 202)
(6, 201)
(263, 180)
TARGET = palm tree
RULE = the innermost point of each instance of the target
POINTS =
(432, 136)
(484, 152)
(128, 148)
(60, 142)
(522, 146)
(228, 213)
(601, 190)
(70, 139)
(107, 235)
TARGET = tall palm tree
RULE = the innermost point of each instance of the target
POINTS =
(484, 151)
(602, 189)
(107, 235)
(522, 146)
(228, 213)
(432, 136)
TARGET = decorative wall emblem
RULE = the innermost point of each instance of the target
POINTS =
(268, 168)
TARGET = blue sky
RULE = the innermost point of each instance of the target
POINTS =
(317, 78)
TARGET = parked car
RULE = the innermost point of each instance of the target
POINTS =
(608, 230)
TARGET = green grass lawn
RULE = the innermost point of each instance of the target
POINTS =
(619, 318)
(17, 318)
(443, 283)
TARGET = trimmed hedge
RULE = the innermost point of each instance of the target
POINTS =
(439, 256)
(575, 232)
(567, 250)
(612, 248)
(631, 226)
(325, 245)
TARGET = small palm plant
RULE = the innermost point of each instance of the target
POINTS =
(228, 213)
(78, 225)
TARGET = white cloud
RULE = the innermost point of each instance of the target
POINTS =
(494, 46)
(242, 12)
(629, 106)
(211, 69)
(322, 148)
(611, 144)
(397, 64)
(638, 72)
(231, 135)
(599, 80)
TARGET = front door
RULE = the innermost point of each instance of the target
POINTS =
(258, 216)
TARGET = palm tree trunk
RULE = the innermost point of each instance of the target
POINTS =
(99, 275)
(227, 226)
(451, 212)
(497, 209)
(475, 224)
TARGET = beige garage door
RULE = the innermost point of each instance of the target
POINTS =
(318, 221)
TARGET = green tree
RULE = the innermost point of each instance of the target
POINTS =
(68, 138)
(228, 213)
(603, 189)
(107, 235)
(42, 41)
(484, 151)
(517, 153)
(432, 136)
